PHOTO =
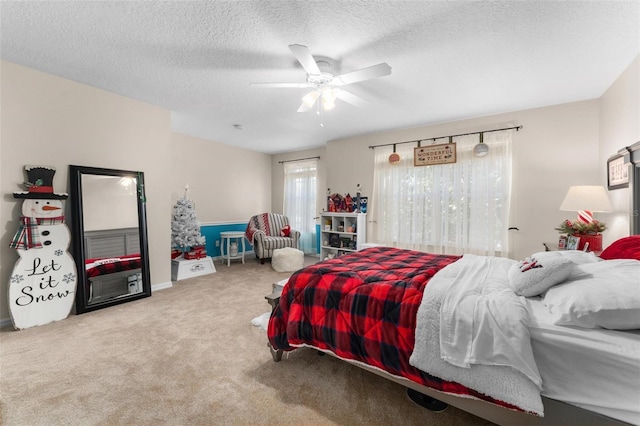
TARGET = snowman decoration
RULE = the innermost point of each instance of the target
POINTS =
(43, 282)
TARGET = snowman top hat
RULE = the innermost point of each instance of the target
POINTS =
(40, 184)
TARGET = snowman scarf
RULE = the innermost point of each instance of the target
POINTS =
(27, 235)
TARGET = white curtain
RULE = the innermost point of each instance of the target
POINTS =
(448, 209)
(300, 188)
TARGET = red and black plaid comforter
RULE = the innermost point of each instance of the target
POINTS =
(96, 267)
(362, 306)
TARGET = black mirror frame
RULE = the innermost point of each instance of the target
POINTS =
(78, 245)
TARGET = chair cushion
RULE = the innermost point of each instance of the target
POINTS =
(272, 243)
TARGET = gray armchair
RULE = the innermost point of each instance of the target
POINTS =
(265, 233)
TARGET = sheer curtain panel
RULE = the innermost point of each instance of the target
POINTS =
(447, 209)
(300, 188)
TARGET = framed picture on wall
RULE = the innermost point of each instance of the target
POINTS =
(617, 172)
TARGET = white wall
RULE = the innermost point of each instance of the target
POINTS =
(51, 121)
(227, 184)
(619, 128)
(557, 148)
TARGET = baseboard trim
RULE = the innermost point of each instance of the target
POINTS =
(161, 286)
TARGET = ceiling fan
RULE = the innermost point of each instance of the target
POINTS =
(325, 85)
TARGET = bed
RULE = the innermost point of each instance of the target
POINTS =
(112, 263)
(381, 309)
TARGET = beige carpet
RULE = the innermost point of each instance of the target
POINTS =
(189, 355)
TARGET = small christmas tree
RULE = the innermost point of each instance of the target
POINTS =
(185, 231)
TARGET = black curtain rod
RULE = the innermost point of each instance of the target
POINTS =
(299, 159)
(443, 137)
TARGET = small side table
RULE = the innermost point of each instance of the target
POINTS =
(225, 241)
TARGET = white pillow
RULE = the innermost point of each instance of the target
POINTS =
(534, 275)
(576, 256)
(605, 294)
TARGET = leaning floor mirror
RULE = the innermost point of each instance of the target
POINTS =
(109, 241)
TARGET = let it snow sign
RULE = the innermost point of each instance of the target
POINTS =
(43, 282)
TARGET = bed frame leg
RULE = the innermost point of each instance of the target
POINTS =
(274, 301)
(275, 354)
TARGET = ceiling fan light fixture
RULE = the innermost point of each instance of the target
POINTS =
(328, 105)
(310, 98)
(328, 99)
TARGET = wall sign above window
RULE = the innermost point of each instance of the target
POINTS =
(431, 155)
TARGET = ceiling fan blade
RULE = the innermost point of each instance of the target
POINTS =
(349, 97)
(303, 55)
(267, 85)
(368, 73)
(308, 101)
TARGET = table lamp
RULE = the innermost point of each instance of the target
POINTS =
(585, 200)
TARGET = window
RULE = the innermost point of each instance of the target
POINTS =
(450, 209)
(300, 179)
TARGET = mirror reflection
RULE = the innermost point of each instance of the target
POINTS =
(109, 237)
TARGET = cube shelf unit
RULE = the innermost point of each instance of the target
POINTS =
(341, 233)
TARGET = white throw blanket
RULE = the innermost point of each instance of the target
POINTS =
(472, 329)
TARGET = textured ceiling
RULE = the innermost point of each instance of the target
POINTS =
(450, 60)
